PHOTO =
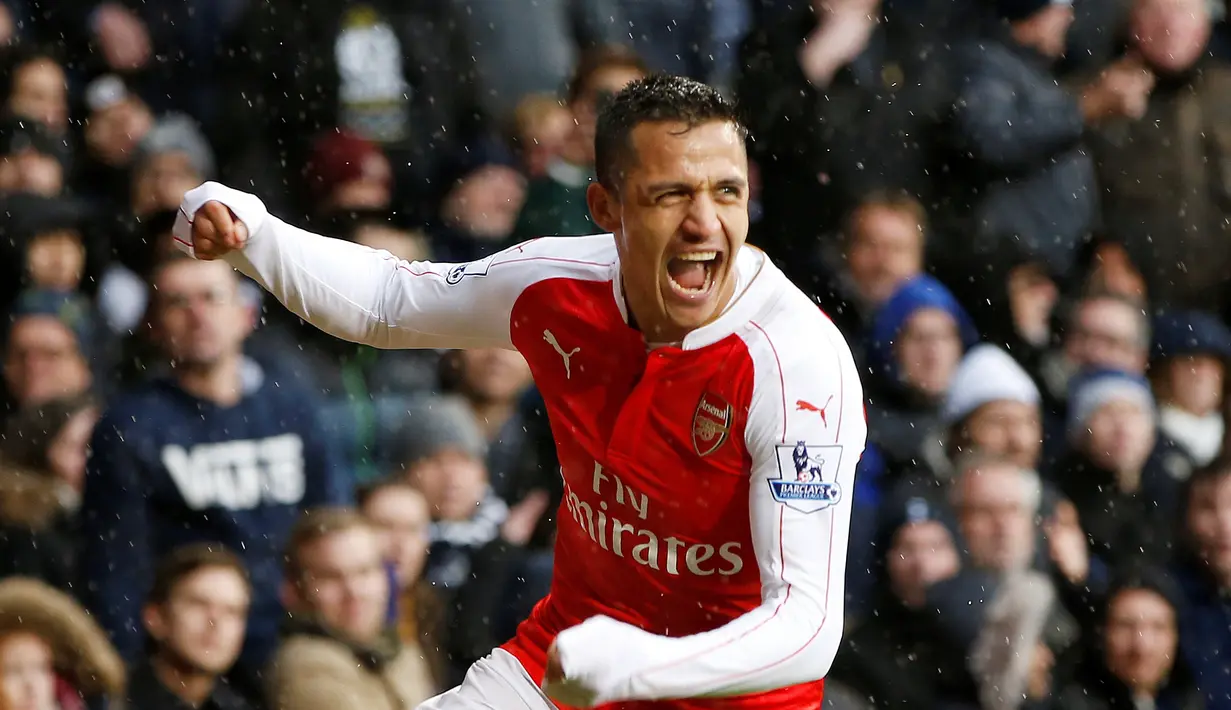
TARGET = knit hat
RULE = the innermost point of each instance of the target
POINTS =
(1180, 333)
(912, 296)
(104, 92)
(177, 133)
(436, 424)
(986, 374)
(1090, 391)
(1014, 10)
(71, 309)
(340, 157)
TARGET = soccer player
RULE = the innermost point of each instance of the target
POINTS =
(708, 416)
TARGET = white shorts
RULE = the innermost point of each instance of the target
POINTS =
(498, 682)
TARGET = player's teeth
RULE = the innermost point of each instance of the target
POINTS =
(699, 256)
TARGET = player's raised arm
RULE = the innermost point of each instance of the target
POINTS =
(806, 432)
(357, 293)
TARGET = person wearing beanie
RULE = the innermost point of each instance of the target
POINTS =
(993, 407)
(48, 348)
(346, 171)
(172, 158)
(474, 547)
(916, 343)
(1118, 472)
(1188, 370)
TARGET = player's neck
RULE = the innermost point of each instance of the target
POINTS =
(661, 333)
(220, 382)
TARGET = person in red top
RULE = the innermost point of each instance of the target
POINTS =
(708, 416)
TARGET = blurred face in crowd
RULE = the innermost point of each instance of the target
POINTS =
(112, 134)
(407, 246)
(371, 190)
(40, 92)
(929, 349)
(29, 680)
(884, 249)
(1032, 296)
(1192, 383)
(29, 172)
(680, 217)
(1209, 523)
(1171, 35)
(923, 554)
(1114, 272)
(69, 449)
(1107, 333)
(1006, 429)
(1120, 436)
(543, 130)
(996, 512)
(44, 361)
(1141, 639)
(486, 202)
(400, 515)
(1046, 30)
(56, 260)
(201, 316)
(201, 627)
(452, 482)
(160, 182)
(344, 583)
(600, 87)
(493, 375)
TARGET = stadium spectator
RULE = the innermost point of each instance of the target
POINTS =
(889, 656)
(882, 245)
(1203, 570)
(195, 616)
(48, 349)
(1188, 368)
(1150, 160)
(217, 451)
(30, 159)
(400, 515)
(1114, 472)
(556, 204)
(492, 383)
(338, 650)
(475, 537)
(54, 656)
(1136, 660)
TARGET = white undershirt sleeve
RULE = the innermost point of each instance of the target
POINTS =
(368, 296)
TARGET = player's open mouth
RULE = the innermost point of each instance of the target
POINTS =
(692, 274)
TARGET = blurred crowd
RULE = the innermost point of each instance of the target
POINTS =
(1017, 211)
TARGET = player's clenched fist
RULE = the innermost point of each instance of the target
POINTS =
(216, 231)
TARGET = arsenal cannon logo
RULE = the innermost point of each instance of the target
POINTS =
(711, 424)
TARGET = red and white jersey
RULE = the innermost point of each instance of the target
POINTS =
(703, 535)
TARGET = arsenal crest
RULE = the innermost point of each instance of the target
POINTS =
(711, 424)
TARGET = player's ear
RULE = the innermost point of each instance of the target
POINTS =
(604, 206)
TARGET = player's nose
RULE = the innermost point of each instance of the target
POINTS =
(702, 221)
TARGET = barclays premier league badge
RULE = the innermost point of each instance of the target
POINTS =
(807, 477)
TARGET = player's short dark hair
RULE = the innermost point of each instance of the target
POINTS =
(185, 561)
(657, 97)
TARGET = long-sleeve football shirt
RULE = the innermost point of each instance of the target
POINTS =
(701, 543)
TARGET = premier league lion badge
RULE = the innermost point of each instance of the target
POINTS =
(807, 477)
